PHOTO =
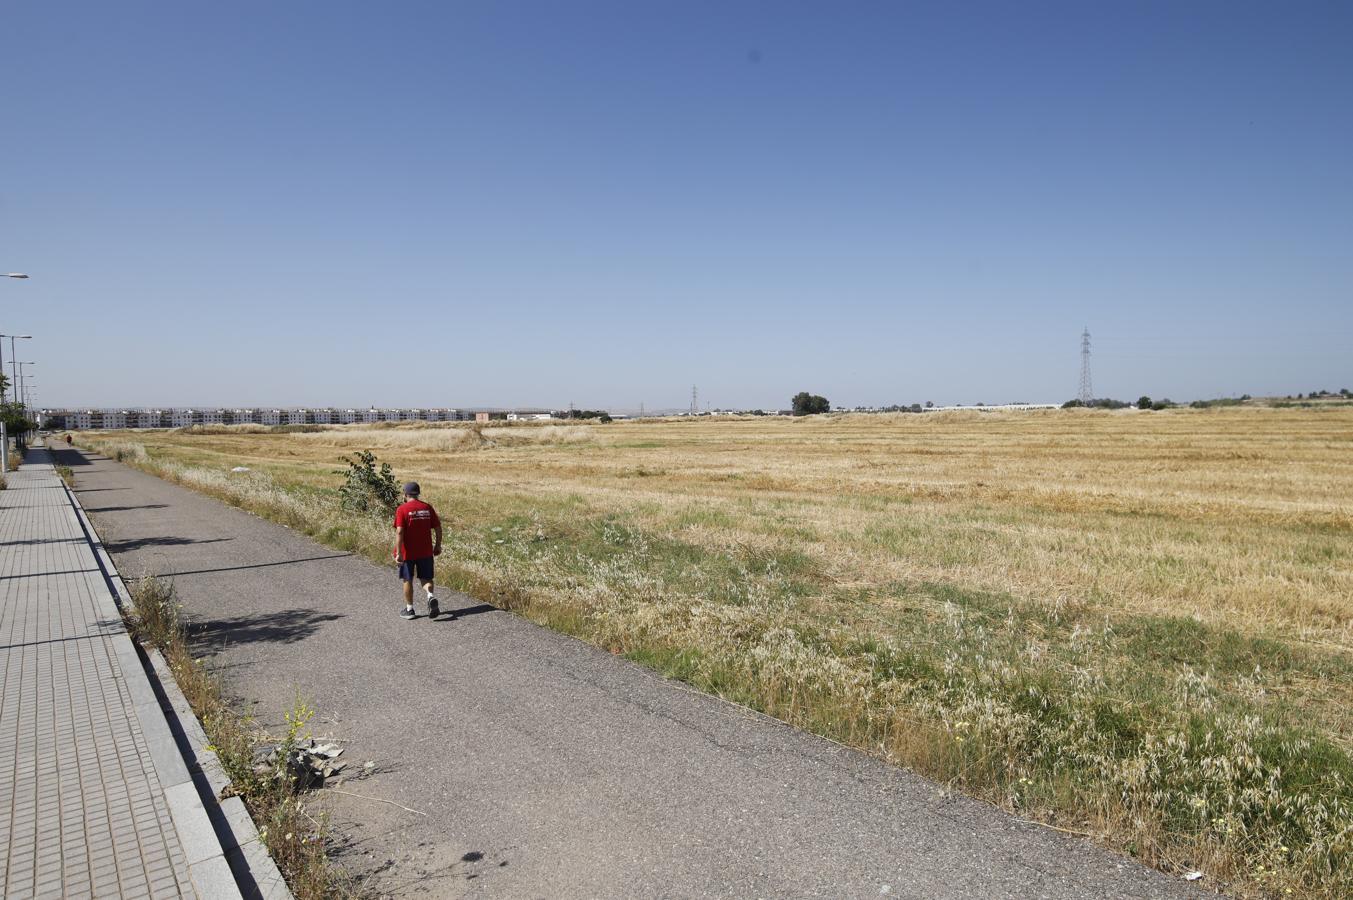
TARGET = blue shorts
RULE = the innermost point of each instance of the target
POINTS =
(420, 567)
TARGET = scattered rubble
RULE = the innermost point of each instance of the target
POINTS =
(308, 764)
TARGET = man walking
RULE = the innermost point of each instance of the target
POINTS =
(418, 538)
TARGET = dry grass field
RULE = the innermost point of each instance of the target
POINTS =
(1133, 625)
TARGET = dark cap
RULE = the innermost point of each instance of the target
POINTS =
(411, 488)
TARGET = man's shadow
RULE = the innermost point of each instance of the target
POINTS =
(467, 611)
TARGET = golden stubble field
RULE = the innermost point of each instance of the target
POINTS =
(1240, 516)
(1173, 589)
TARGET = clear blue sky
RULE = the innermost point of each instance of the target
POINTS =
(605, 202)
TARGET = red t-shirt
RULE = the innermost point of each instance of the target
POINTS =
(418, 519)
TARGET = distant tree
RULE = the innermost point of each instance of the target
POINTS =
(1143, 402)
(16, 425)
(1162, 404)
(1073, 404)
(930, 404)
(806, 404)
(601, 414)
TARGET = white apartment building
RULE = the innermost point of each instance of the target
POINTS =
(182, 417)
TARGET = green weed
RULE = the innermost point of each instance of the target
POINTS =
(299, 843)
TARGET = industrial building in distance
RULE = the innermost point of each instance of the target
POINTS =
(100, 419)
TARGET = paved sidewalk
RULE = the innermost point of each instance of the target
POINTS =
(95, 799)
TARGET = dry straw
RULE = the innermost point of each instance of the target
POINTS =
(1138, 625)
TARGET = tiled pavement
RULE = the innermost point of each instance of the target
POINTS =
(84, 808)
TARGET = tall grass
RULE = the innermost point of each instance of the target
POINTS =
(1156, 653)
(297, 842)
(241, 428)
(448, 438)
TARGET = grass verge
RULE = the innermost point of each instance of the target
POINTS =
(297, 842)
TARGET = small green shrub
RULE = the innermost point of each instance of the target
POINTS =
(367, 489)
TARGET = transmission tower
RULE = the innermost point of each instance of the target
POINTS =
(1087, 393)
(695, 401)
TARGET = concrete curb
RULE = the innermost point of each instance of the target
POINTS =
(226, 857)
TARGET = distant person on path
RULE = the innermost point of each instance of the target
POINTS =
(418, 538)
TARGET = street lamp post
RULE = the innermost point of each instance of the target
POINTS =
(19, 275)
(4, 439)
(13, 370)
(21, 394)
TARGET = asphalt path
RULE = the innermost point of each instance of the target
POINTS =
(515, 762)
